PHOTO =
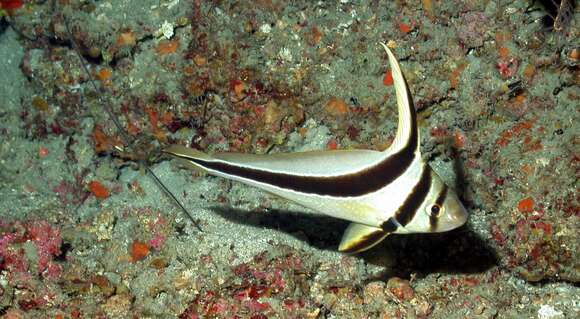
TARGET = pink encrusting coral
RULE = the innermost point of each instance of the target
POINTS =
(46, 240)
(157, 241)
(11, 259)
(266, 276)
(158, 228)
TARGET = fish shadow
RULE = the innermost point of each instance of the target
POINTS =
(317, 231)
(460, 251)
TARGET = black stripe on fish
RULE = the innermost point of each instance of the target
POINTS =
(441, 196)
(413, 202)
(433, 220)
(349, 185)
(360, 183)
(390, 226)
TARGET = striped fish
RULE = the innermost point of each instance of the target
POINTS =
(393, 191)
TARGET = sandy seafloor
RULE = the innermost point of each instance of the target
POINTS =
(85, 233)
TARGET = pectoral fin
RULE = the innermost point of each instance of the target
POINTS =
(359, 237)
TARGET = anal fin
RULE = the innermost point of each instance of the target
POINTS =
(359, 237)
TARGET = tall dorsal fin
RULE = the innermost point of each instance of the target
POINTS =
(332, 173)
(407, 132)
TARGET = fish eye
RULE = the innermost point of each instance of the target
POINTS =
(434, 210)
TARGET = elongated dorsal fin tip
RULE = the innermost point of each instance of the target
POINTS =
(359, 237)
(407, 131)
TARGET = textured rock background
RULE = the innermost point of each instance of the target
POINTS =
(85, 233)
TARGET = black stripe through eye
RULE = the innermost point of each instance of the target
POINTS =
(434, 218)
(441, 197)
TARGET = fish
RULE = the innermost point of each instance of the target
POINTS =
(385, 192)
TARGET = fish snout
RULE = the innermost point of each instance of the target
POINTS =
(455, 214)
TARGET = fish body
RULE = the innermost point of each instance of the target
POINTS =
(394, 191)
